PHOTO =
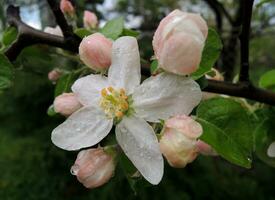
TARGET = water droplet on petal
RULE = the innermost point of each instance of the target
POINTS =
(74, 170)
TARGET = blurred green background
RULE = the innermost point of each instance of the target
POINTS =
(31, 167)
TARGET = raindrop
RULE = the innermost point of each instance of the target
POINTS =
(74, 170)
(123, 129)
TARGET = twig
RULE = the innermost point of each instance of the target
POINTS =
(246, 10)
(28, 36)
(244, 90)
(60, 19)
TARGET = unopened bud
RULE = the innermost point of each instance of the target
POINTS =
(90, 19)
(67, 8)
(93, 167)
(54, 75)
(95, 51)
(66, 104)
(205, 149)
(178, 143)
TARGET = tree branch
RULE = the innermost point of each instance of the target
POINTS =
(244, 90)
(60, 19)
(246, 10)
(28, 36)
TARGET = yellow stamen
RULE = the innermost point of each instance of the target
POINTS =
(114, 102)
(119, 114)
(104, 92)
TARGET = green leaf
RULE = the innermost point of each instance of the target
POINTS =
(211, 53)
(113, 28)
(9, 35)
(82, 32)
(267, 80)
(231, 117)
(223, 144)
(51, 112)
(130, 32)
(6, 72)
(65, 83)
(264, 134)
(129, 170)
(154, 66)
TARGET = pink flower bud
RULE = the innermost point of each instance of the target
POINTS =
(66, 104)
(66, 7)
(95, 51)
(205, 149)
(54, 75)
(89, 19)
(55, 31)
(178, 42)
(93, 167)
(178, 143)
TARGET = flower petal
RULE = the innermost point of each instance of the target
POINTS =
(87, 89)
(84, 128)
(271, 150)
(166, 95)
(140, 144)
(125, 69)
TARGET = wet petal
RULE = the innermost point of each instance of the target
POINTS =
(140, 144)
(166, 95)
(271, 150)
(84, 128)
(88, 88)
(125, 69)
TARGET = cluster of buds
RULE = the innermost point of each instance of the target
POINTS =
(179, 41)
(179, 142)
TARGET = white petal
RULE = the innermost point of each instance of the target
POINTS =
(271, 150)
(125, 69)
(140, 144)
(166, 95)
(88, 88)
(84, 128)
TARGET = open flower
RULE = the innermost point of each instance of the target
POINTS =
(121, 99)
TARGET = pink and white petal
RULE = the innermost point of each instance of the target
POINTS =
(181, 54)
(84, 128)
(139, 142)
(88, 88)
(164, 96)
(125, 69)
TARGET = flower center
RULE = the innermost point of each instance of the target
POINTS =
(114, 102)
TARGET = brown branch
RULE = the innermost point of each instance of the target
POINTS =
(28, 36)
(246, 10)
(244, 90)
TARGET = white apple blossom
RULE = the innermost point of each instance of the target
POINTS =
(120, 99)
